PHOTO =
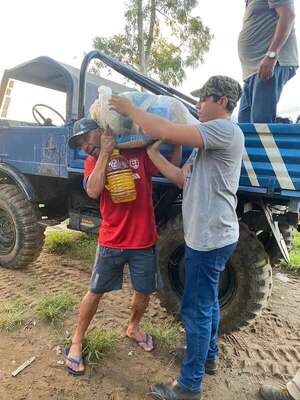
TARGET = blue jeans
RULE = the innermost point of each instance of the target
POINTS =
(260, 97)
(201, 312)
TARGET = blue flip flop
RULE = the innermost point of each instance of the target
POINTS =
(146, 339)
(73, 360)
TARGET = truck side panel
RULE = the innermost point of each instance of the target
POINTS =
(271, 161)
(35, 150)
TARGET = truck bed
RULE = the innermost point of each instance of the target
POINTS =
(271, 160)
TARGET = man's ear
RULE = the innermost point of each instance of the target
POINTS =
(223, 101)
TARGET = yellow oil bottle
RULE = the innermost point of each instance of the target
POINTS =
(120, 180)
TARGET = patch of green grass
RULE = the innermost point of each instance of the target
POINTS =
(54, 307)
(167, 332)
(294, 264)
(76, 245)
(97, 343)
(12, 315)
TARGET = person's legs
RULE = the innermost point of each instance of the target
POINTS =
(139, 305)
(87, 310)
(213, 345)
(145, 280)
(199, 312)
(212, 355)
(244, 115)
(198, 307)
(107, 276)
(200, 294)
(266, 94)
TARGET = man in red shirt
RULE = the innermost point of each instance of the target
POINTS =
(127, 235)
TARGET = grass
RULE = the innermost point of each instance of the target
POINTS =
(55, 307)
(294, 264)
(97, 343)
(12, 315)
(75, 245)
(168, 333)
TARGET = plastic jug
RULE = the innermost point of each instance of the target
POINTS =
(120, 179)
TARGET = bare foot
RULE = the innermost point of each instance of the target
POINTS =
(73, 359)
(142, 339)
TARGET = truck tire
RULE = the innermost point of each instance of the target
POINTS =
(245, 284)
(21, 236)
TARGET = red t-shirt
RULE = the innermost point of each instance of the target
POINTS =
(129, 225)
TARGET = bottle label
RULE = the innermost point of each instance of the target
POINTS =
(117, 163)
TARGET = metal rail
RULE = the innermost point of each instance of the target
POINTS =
(130, 73)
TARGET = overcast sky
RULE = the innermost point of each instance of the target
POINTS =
(64, 30)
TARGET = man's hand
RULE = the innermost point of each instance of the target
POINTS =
(121, 104)
(154, 148)
(186, 169)
(266, 68)
(107, 143)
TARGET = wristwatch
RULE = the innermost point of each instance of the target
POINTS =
(271, 54)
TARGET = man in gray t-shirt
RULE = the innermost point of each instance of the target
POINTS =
(210, 181)
(268, 53)
(209, 215)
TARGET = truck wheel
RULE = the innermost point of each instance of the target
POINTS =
(21, 236)
(245, 284)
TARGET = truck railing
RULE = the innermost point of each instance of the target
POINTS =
(128, 72)
(271, 161)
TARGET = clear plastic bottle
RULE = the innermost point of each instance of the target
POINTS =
(107, 116)
(120, 179)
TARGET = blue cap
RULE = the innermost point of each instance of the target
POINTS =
(80, 128)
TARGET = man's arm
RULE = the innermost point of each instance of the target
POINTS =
(157, 127)
(97, 179)
(286, 14)
(169, 170)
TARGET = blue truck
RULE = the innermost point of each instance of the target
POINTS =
(41, 185)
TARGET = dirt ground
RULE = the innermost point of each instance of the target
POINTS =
(269, 351)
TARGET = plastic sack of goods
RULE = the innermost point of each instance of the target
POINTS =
(127, 134)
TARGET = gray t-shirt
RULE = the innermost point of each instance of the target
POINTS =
(259, 25)
(209, 193)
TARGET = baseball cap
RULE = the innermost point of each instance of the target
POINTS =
(80, 128)
(220, 85)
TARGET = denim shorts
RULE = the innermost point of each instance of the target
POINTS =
(109, 266)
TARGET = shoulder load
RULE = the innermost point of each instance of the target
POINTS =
(127, 134)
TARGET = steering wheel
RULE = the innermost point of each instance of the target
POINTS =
(40, 119)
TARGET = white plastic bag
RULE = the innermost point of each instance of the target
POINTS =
(127, 134)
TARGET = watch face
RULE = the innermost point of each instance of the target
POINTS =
(271, 54)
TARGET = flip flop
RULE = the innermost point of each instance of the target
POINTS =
(146, 340)
(71, 371)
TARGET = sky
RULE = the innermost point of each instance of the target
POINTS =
(64, 30)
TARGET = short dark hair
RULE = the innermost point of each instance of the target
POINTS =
(230, 107)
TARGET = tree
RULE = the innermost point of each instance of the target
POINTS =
(161, 38)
